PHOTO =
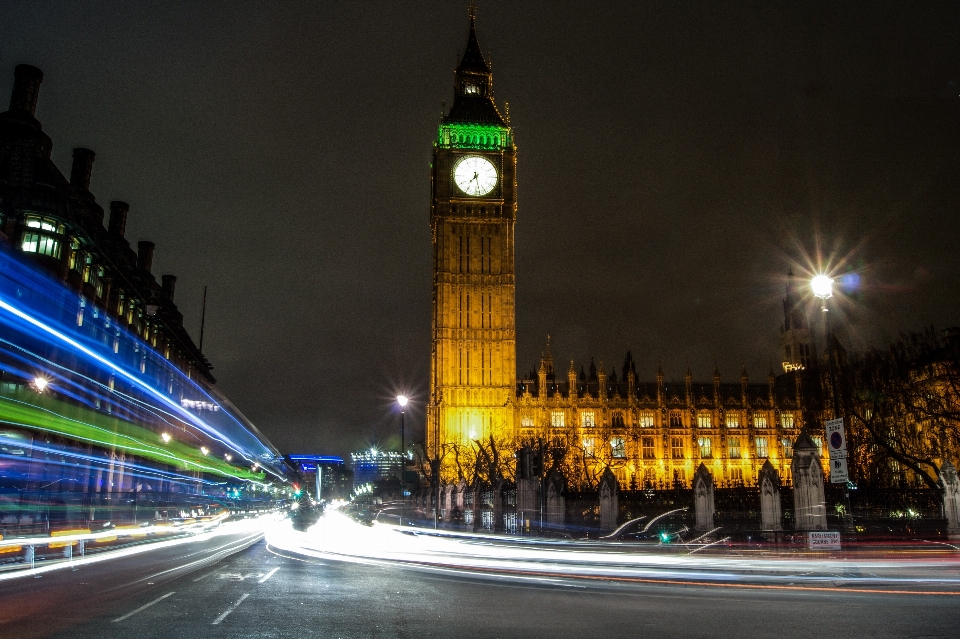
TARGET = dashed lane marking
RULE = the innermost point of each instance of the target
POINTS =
(143, 607)
(230, 609)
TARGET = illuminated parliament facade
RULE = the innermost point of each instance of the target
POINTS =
(646, 432)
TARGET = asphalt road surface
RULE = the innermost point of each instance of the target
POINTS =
(261, 592)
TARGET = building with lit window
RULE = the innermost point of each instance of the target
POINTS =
(648, 432)
(59, 224)
(372, 466)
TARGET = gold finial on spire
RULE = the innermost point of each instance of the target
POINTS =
(472, 10)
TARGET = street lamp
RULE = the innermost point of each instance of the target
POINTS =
(402, 400)
(822, 287)
(40, 383)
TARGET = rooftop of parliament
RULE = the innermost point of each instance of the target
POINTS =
(58, 222)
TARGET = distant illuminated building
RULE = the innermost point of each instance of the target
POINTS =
(374, 465)
(335, 480)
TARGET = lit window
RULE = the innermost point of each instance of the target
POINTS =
(587, 419)
(762, 452)
(787, 447)
(619, 449)
(40, 244)
(646, 420)
(733, 447)
(556, 419)
(706, 447)
(43, 224)
(648, 448)
(786, 420)
(703, 420)
(526, 421)
(733, 420)
(676, 447)
(759, 421)
(471, 88)
(588, 446)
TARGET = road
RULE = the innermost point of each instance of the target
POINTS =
(264, 592)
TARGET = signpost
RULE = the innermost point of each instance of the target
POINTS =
(837, 448)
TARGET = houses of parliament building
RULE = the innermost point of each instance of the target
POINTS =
(647, 432)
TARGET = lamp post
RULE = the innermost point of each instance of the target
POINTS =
(402, 400)
(822, 287)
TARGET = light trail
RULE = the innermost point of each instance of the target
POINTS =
(336, 536)
(251, 529)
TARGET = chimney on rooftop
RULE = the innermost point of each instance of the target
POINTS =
(82, 169)
(26, 88)
(169, 286)
(145, 255)
(118, 218)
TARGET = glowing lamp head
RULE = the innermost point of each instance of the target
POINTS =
(40, 383)
(227, 456)
(204, 450)
(402, 400)
(822, 286)
(165, 437)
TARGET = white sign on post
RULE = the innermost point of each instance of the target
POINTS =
(838, 471)
(836, 439)
(824, 540)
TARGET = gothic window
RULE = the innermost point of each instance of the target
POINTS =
(648, 448)
(732, 420)
(786, 420)
(526, 421)
(703, 420)
(762, 451)
(587, 419)
(679, 476)
(706, 447)
(588, 446)
(556, 419)
(646, 419)
(787, 447)
(617, 419)
(736, 474)
(619, 449)
(40, 237)
(733, 447)
(759, 421)
(676, 419)
(676, 447)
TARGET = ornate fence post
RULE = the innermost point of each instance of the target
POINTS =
(609, 500)
(770, 512)
(556, 503)
(703, 498)
(809, 505)
(951, 498)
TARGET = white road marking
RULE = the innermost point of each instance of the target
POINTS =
(143, 607)
(230, 609)
(205, 576)
(268, 575)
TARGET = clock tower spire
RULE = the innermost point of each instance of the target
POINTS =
(472, 215)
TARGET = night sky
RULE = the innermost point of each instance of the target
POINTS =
(675, 159)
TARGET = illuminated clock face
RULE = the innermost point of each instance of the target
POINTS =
(475, 175)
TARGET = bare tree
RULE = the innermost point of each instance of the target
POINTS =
(904, 406)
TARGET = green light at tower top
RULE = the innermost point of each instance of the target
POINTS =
(474, 136)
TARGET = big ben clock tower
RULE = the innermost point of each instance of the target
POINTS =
(472, 215)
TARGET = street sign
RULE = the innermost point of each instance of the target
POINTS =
(838, 470)
(836, 439)
(824, 540)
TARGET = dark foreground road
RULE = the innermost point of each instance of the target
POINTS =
(258, 593)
